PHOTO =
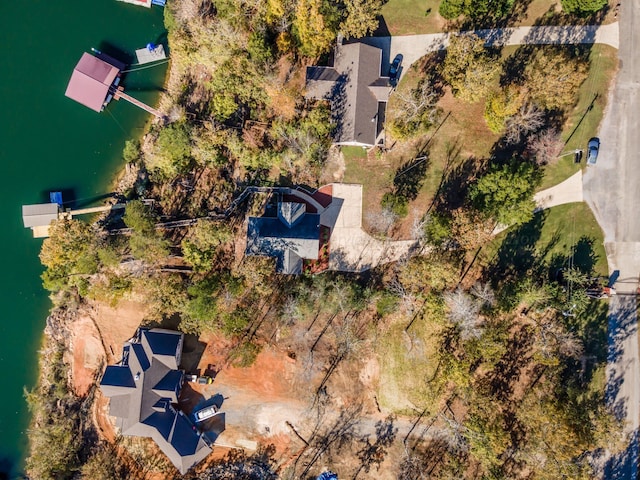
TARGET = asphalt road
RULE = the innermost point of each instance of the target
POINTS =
(612, 190)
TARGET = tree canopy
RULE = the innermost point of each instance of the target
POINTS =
(506, 193)
(468, 68)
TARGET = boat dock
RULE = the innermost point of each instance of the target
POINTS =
(150, 54)
(39, 217)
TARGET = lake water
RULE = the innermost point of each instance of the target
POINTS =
(48, 142)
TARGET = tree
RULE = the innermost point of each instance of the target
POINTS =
(468, 229)
(468, 68)
(545, 146)
(361, 18)
(69, 254)
(553, 78)
(526, 120)
(145, 242)
(583, 8)
(501, 105)
(505, 194)
(475, 9)
(131, 151)
(433, 272)
(202, 244)
(464, 312)
(172, 152)
(414, 111)
(314, 27)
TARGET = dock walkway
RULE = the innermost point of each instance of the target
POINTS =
(118, 94)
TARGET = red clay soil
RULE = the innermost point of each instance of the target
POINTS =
(88, 355)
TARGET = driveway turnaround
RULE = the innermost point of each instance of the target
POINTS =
(414, 47)
(351, 248)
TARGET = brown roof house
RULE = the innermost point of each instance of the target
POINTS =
(357, 91)
(92, 81)
(144, 389)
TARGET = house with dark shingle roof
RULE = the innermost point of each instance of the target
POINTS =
(144, 389)
(290, 236)
(357, 91)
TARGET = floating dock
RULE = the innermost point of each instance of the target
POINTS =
(150, 54)
(39, 217)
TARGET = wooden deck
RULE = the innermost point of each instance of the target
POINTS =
(144, 55)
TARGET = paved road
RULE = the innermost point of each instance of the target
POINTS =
(414, 47)
(612, 190)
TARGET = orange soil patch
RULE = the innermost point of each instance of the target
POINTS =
(118, 324)
(88, 355)
(269, 375)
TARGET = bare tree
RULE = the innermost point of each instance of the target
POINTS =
(529, 118)
(418, 227)
(407, 299)
(484, 292)
(546, 146)
(381, 222)
(464, 311)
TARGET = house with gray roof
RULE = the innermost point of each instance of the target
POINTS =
(293, 234)
(144, 389)
(357, 92)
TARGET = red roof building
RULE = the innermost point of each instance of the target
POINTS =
(90, 82)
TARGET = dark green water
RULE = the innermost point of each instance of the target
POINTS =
(48, 142)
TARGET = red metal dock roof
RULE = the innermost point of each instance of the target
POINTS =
(90, 81)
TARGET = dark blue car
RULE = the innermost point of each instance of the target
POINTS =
(394, 71)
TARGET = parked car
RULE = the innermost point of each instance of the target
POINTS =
(191, 377)
(205, 413)
(592, 148)
(205, 380)
(394, 70)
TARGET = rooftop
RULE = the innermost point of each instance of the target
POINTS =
(290, 237)
(90, 81)
(357, 92)
(144, 388)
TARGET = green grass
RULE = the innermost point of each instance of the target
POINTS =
(352, 154)
(407, 17)
(585, 118)
(552, 237)
(400, 353)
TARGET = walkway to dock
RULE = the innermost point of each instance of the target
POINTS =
(118, 94)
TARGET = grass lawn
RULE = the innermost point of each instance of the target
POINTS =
(408, 17)
(551, 238)
(583, 122)
(406, 362)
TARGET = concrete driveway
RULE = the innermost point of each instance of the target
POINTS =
(414, 47)
(612, 190)
(351, 248)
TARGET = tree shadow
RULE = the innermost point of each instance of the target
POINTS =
(373, 454)
(624, 465)
(455, 187)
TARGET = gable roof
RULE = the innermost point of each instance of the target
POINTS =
(143, 389)
(90, 81)
(40, 214)
(355, 88)
(290, 237)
